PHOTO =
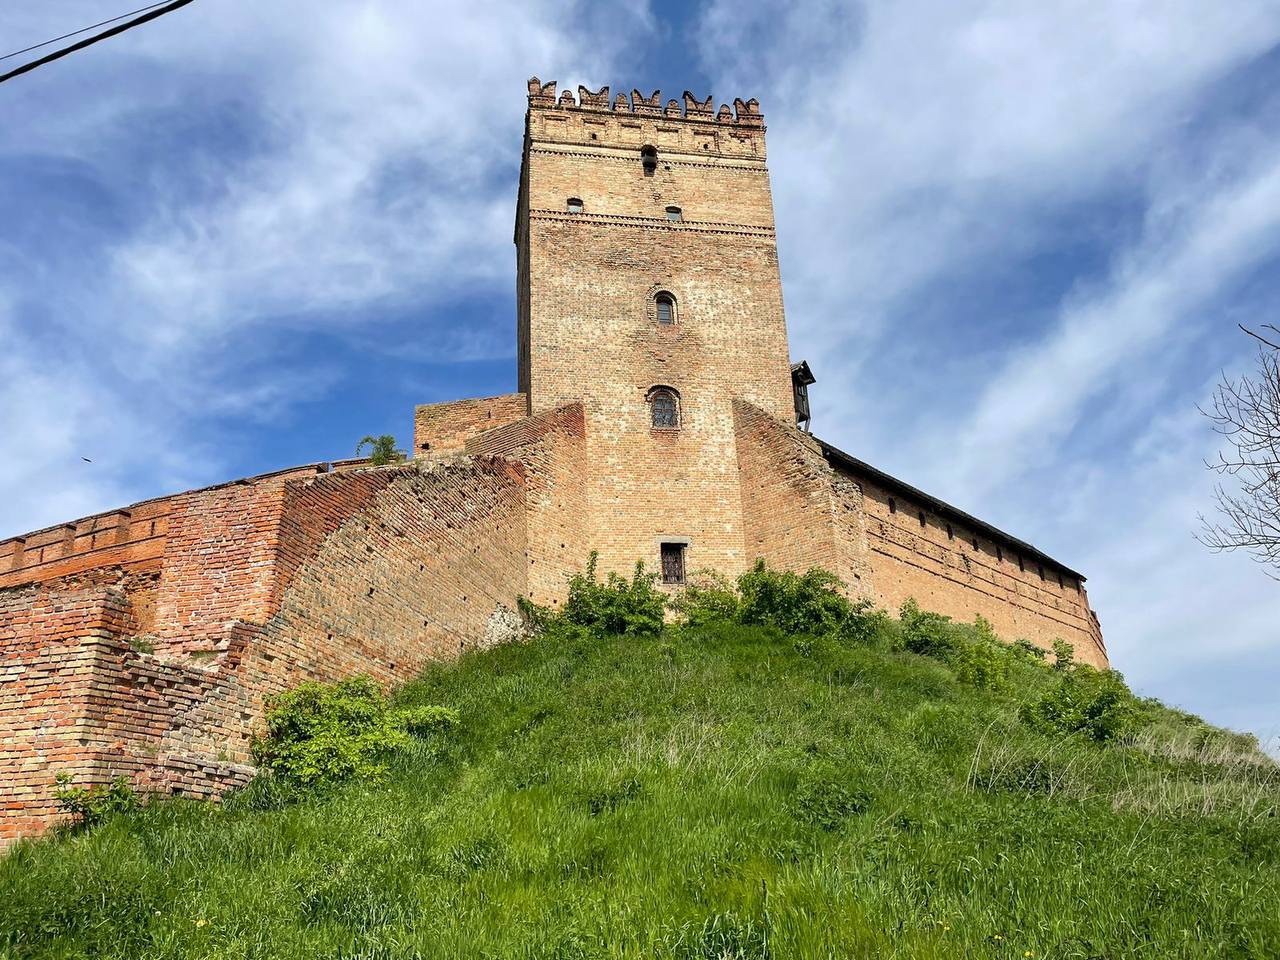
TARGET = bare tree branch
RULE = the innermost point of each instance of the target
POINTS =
(1246, 412)
(1258, 336)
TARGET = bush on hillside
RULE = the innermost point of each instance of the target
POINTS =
(90, 806)
(1026, 651)
(794, 603)
(426, 721)
(926, 633)
(615, 605)
(709, 597)
(1064, 654)
(1096, 703)
(974, 652)
(808, 604)
(323, 733)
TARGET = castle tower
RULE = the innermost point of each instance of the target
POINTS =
(648, 289)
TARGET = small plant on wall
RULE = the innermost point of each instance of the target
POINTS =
(382, 450)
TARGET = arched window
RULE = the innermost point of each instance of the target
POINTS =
(675, 214)
(665, 305)
(573, 205)
(664, 408)
(649, 157)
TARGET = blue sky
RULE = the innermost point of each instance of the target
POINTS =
(1015, 241)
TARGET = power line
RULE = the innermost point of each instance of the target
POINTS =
(93, 26)
(80, 45)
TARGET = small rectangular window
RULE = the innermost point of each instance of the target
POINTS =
(573, 205)
(921, 515)
(893, 505)
(675, 214)
(672, 562)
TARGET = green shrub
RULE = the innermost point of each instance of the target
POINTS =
(382, 450)
(1096, 703)
(426, 721)
(709, 597)
(616, 606)
(809, 603)
(1025, 650)
(1064, 654)
(930, 634)
(90, 806)
(981, 663)
(320, 733)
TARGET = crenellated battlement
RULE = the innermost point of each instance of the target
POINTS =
(744, 113)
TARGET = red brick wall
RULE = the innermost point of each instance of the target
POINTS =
(797, 512)
(46, 665)
(265, 584)
(415, 573)
(75, 698)
(133, 537)
(442, 429)
(552, 448)
(945, 573)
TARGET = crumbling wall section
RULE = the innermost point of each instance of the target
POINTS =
(552, 448)
(797, 512)
(162, 675)
(443, 429)
(77, 698)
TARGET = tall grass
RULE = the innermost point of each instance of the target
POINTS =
(715, 791)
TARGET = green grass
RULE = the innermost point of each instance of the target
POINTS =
(709, 793)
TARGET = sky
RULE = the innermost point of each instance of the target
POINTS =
(1016, 240)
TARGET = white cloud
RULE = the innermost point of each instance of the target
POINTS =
(347, 161)
(921, 150)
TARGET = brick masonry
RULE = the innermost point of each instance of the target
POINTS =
(144, 641)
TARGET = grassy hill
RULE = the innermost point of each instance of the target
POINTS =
(712, 791)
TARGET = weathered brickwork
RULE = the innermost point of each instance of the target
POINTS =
(1023, 594)
(132, 538)
(264, 584)
(552, 448)
(145, 641)
(443, 429)
(798, 512)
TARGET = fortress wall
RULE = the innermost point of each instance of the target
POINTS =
(76, 698)
(949, 575)
(429, 566)
(47, 652)
(374, 571)
(797, 512)
(132, 538)
(551, 446)
(443, 429)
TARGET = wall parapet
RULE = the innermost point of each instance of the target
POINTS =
(745, 113)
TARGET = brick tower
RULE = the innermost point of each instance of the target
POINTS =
(648, 289)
